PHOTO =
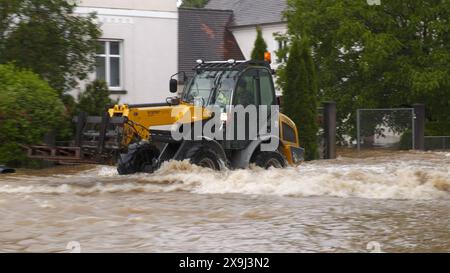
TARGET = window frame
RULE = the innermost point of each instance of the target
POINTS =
(282, 44)
(272, 87)
(257, 71)
(107, 55)
(240, 77)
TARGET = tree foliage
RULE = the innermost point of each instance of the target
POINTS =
(194, 3)
(260, 46)
(300, 96)
(46, 37)
(389, 55)
(29, 109)
(95, 99)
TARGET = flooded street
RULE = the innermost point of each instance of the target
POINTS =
(398, 202)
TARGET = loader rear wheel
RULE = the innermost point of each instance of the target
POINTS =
(139, 159)
(204, 157)
(268, 160)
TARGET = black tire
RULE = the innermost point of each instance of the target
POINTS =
(204, 156)
(267, 160)
(139, 159)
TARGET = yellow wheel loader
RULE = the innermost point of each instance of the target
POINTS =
(200, 125)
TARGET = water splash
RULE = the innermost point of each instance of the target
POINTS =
(414, 176)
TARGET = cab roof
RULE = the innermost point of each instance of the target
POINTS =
(230, 65)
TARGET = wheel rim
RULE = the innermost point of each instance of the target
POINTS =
(207, 163)
(273, 163)
(144, 159)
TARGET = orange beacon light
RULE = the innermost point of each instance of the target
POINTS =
(268, 57)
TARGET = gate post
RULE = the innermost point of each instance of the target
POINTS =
(50, 140)
(103, 129)
(358, 130)
(329, 114)
(419, 127)
(81, 121)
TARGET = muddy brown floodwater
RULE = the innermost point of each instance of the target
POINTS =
(393, 203)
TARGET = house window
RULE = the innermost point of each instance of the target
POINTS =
(108, 63)
(281, 47)
(282, 44)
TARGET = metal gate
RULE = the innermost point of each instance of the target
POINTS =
(390, 128)
(437, 143)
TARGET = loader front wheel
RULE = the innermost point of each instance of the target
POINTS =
(268, 160)
(139, 159)
(204, 157)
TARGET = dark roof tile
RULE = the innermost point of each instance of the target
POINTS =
(203, 34)
(252, 12)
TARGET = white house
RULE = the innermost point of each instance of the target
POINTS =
(139, 47)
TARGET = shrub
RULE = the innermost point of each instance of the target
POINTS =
(300, 96)
(29, 108)
(95, 99)
(260, 46)
(406, 141)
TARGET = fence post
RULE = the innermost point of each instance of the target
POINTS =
(419, 127)
(103, 129)
(81, 120)
(49, 140)
(329, 115)
(358, 130)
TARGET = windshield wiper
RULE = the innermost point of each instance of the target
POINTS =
(215, 87)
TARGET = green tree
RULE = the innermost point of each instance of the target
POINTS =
(260, 47)
(29, 108)
(46, 37)
(95, 99)
(300, 95)
(282, 57)
(194, 3)
(389, 55)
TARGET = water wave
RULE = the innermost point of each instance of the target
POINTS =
(374, 179)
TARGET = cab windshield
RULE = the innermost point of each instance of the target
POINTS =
(211, 88)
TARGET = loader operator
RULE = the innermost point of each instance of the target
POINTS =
(224, 94)
(244, 93)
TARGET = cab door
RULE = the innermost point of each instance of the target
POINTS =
(267, 99)
(245, 94)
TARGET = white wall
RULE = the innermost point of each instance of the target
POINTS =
(161, 5)
(150, 45)
(246, 37)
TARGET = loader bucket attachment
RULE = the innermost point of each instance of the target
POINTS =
(101, 133)
(97, 141)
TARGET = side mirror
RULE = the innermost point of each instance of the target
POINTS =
(173, 85)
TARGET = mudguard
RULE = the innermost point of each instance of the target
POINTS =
(212, 144)
(241, 159)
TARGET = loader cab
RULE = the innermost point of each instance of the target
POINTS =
(254, 86)
(234, 84)
(231, 83)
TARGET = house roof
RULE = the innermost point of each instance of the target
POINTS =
(252, 12)
(203, 34)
